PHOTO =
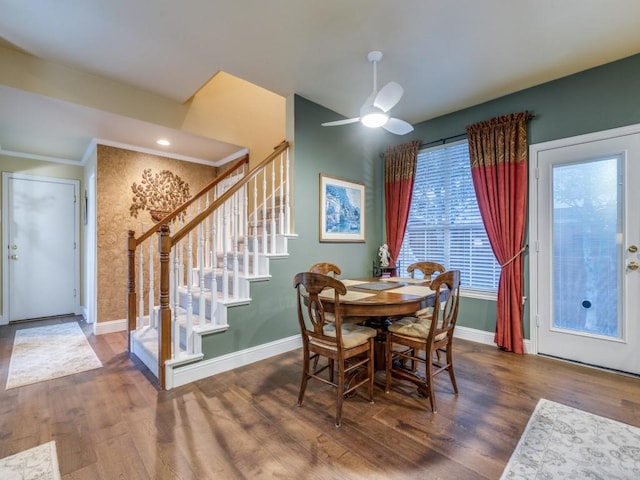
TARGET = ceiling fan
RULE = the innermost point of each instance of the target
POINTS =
(375, 111)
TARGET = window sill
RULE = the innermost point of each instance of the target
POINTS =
(480, 294)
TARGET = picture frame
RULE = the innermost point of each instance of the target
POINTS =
(342, 210)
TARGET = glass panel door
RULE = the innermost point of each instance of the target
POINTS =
(587, 210)
(585, 226)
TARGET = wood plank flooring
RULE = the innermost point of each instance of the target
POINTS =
(114, 423)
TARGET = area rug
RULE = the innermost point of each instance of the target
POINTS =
(39, 463)
(561, 442)
(52, 351)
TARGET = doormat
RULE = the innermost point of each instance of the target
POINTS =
(52, 351)
(562, 442)
(39, 463)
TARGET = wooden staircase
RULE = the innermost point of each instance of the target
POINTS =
(200, 260)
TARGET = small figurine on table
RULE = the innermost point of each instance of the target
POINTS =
(383, 254)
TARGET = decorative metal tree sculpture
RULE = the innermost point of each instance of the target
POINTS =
(158, 193)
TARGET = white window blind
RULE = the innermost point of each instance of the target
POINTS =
(444, 223)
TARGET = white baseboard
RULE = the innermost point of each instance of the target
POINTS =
(206, 368)
(481, 336)
(100, 328)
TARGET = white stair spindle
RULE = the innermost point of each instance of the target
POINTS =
(273, 208)
(281, 224)
(140, 321)
(235, 223)
(189, 323)
(245, 227)
(225, 252)
(254, 233)
(152, 318)
(201, 303)
(207, 245)
(214, 266)
(286, 197)
(263, 224)
(175, 326)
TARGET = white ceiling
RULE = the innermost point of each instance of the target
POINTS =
(447, 54)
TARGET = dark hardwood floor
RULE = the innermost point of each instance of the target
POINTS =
(113, 422)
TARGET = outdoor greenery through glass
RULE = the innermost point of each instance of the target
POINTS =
(444, 223)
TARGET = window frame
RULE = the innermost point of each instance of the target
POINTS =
(469, 292)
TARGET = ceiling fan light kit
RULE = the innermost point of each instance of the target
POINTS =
(375, 111)
(373, 117)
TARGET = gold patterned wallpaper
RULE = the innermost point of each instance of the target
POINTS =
(117, 171)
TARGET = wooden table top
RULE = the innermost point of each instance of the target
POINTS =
(404, 296)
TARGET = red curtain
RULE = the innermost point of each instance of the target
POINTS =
(498, 153)
(399, 173)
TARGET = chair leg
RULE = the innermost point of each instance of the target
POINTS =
(370, 370)
(450, 368)
(305, 378)
(429, 385)
(340, 393)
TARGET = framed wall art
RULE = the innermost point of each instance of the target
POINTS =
(342, 211)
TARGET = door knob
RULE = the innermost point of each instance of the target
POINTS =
(14, 257)
(633, 266)
(633, 248)
(14, 247)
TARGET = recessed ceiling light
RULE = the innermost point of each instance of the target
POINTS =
(164, 142)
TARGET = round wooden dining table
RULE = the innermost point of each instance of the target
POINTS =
(382, 297)
(378, 300)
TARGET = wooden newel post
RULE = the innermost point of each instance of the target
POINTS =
(131, 286)
(164, 345)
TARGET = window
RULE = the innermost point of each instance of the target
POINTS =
(444, 222)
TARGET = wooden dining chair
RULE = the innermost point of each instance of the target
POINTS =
(427, 269)
(348, 348)
(325, 268)
(414, 341)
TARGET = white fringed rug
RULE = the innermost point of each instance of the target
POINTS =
(561, 442)
(39, 463)
(52, 351)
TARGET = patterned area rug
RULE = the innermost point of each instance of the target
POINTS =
(39, 463)
(561, 442)
(53, 351)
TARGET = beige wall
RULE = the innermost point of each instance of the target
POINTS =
(227, 108)
(117, 170)
(232, 110)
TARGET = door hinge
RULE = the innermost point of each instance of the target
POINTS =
(537, 320)
(75, 293)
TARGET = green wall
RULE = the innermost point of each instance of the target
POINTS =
(594, 100)
(602, 98)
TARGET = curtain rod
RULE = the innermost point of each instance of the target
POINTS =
(460, 136)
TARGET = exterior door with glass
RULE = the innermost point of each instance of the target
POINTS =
(585, 229)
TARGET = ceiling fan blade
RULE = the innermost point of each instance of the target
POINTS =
(397, 126)
(346, 121)
(388, 96)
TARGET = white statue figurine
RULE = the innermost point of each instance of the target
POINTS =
(383, 254)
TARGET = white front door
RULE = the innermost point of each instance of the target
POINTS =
(585, 232)
(40, 235)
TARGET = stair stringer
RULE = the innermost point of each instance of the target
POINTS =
(174, 366)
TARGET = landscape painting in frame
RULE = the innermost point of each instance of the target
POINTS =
(341, 210)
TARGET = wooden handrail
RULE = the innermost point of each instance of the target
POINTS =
(166, 220)
(180, 234)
